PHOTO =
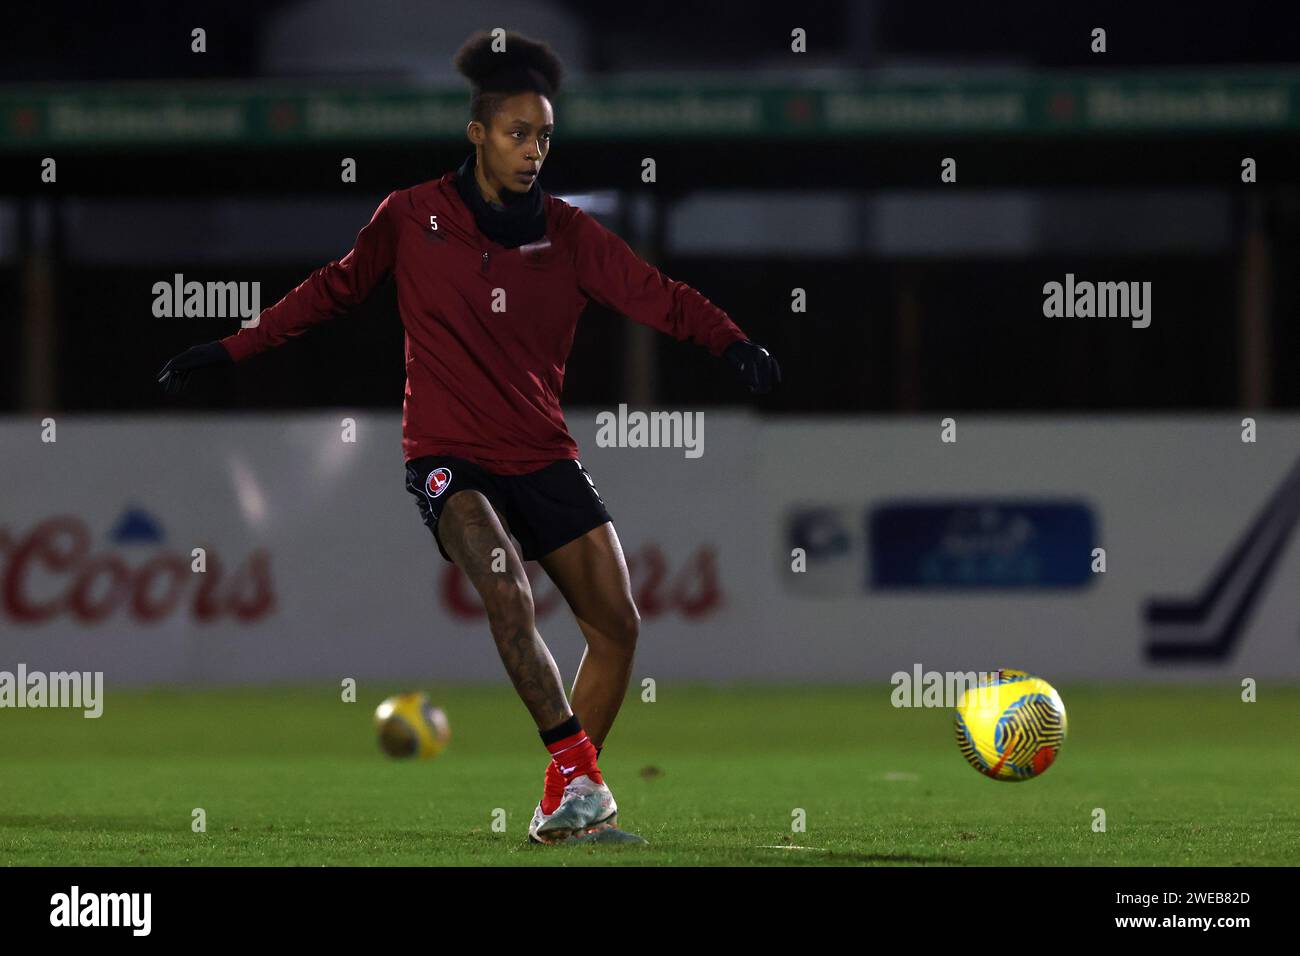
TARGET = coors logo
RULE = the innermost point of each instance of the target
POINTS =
(55, 570)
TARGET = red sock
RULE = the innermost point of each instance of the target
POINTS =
(574, 756)
(553, 788)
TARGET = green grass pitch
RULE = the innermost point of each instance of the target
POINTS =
(292, 776)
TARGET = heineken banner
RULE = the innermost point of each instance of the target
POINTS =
(287, 114)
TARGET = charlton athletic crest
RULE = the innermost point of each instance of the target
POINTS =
(437, 482)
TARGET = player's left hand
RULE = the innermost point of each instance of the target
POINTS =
(756, 365)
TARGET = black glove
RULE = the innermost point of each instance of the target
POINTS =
(756, 364)
(176, 372)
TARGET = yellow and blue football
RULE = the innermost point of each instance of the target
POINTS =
(1010, 727)
(409, 725)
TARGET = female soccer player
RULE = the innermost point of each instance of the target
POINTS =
(492, 274)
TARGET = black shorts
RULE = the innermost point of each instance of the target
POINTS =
(543, 509)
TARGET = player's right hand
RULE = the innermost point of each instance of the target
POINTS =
(176, 372)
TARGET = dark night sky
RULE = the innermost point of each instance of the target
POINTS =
(63, 40)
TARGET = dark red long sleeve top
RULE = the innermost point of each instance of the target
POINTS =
(488, 328)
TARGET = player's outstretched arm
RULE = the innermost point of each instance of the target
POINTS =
(615, 276)
(327, 292)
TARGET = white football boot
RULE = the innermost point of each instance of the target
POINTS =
(586, 806)
(538, 819)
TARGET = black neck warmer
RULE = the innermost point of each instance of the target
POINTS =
(521, 220)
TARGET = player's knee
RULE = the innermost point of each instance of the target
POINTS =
(509, 604)
(626, 628)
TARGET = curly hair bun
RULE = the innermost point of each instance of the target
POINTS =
(509, 62)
